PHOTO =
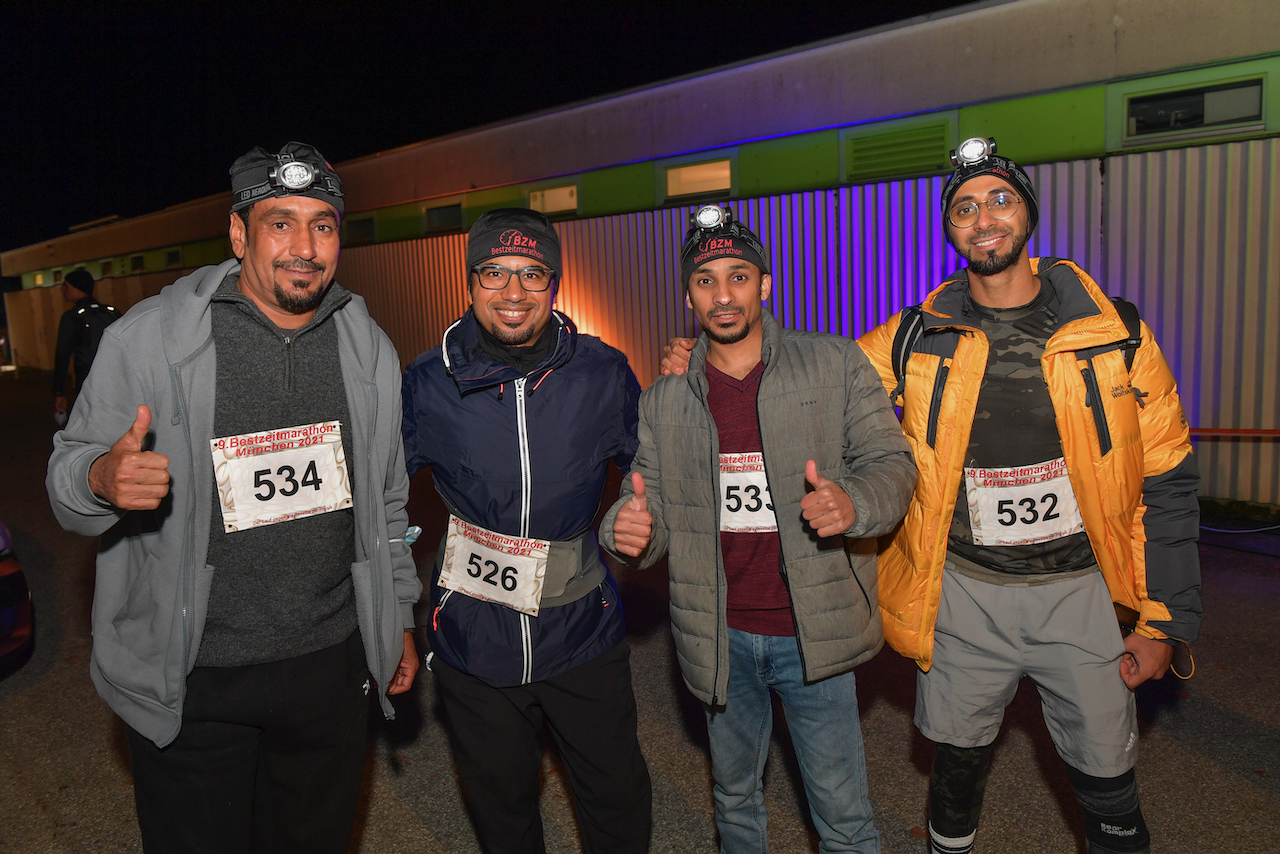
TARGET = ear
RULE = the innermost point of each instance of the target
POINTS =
(766, 287)
(688, 303)
(239, 235)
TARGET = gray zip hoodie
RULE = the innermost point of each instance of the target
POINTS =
(151, 590)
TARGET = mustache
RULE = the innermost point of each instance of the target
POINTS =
(301, 265)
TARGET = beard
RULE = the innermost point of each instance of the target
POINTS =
(511, 337)
(304, 302)
(992, 263)
(729, 336)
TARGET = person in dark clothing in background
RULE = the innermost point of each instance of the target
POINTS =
(79, 332)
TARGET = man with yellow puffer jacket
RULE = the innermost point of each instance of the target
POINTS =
(1053, 481)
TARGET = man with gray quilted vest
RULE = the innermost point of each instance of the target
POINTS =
(758, 469)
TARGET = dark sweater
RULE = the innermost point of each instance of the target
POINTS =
(281, 590)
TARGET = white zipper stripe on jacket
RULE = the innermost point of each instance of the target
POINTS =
(526, 490)
(444, 342)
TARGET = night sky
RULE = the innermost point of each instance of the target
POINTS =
(126, 108)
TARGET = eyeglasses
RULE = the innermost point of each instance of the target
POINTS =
(1001, 206)
(495, 277)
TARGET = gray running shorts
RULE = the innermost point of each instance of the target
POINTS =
(1063, 635)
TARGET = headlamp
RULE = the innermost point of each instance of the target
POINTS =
(973, 151)
(294, 175)
(711, 216)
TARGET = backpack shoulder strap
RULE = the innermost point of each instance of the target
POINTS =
(904, 341)
(1133, 325)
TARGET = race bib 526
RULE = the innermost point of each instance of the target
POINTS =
(494, 567)
(280, 475)
(1022, 505)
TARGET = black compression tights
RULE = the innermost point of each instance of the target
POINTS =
(956, 787)
(1112, 818)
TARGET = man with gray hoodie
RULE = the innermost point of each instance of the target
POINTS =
(237, 450)
(757, 469)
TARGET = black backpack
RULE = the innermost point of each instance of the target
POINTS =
(912, 327)
(91, 322)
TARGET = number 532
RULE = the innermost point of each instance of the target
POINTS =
(1033, 511)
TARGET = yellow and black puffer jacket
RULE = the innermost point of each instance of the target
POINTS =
(1124, 437)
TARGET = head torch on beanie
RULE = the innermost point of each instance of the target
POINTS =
(298, 170)
(513, 231)
(977, 156)
(714, 232)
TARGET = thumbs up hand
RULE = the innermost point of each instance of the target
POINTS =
(827, 507)
(127, 476)
(633, 525)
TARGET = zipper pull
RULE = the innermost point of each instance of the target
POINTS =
(501, 386)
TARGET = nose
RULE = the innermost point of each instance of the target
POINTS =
(723, 293)
(303, 244)
(513, 291)
(985, 219)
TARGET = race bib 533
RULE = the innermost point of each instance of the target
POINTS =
(746, 507)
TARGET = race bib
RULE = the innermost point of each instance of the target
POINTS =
(746, 507)
(494, 567)
(280, 475)
(1022, 505)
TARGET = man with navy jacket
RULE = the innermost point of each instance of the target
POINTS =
(518, 416)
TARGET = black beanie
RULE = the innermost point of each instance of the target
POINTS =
(1002, 167)
(81, 280)
(724, 239)
(298, 170)
(513, 231)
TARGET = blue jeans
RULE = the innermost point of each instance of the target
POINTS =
(823, 719)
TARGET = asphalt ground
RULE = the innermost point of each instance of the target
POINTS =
(1209, 771)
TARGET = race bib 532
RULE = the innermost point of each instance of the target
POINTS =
(1022, 505)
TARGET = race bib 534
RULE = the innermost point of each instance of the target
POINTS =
(280, 475)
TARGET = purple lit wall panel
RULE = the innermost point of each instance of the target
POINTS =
(1192, 236)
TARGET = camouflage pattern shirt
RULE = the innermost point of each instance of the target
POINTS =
(1013, 425)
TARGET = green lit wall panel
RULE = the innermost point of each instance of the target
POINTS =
(401, 222)
(479, 201)
(620, 189)
(1042, 128)
(787, 164)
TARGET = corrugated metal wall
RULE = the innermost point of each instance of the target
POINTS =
(1189, 235)
(1192, 236)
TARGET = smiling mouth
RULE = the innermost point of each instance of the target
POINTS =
(512, 317)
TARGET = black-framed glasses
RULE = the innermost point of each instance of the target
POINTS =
(495, 277)
(1001, 205)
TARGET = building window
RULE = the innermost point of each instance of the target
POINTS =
(555, 199)
(57, 276)
(107, 267)
(173, 258)
(700, 179)
(444, 218)
(136, 264)
(37, 279)
(1192, 109)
